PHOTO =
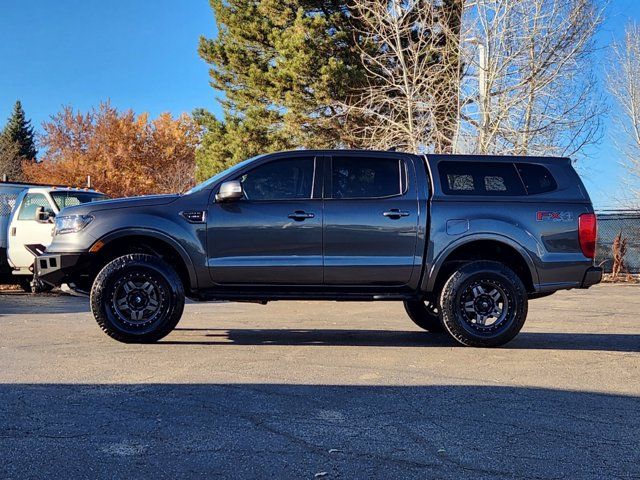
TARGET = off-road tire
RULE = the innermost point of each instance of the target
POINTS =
(167, 290)
(423, 315)
(453, 308)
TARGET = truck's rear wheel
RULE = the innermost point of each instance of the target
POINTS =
(484, 304)
(425, 314)
(137, 298)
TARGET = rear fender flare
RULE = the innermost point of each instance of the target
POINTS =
(429, 281)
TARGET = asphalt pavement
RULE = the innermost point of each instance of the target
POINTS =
(321, 390)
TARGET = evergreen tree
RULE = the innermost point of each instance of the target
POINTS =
(19, 129)
(279, 64)
(10, 159)
(17, 144)
(289, 71)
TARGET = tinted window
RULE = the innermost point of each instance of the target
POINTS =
(480, 178)
(362, 177)
(31, 203)
(536, 178)
(280, 180)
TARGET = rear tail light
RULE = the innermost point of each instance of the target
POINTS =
(587, 233)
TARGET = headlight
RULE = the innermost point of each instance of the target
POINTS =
(71, 223)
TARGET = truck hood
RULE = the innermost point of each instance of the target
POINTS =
(128, 202)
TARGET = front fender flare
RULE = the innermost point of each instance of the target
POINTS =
(158, 235)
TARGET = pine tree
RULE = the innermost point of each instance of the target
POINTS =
(280, 65)
(289, 71)
(10, 159)
(17, 144)
(19, 130)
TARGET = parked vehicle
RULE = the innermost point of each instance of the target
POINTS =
(27, 212)
(463, 241)
(8, 194)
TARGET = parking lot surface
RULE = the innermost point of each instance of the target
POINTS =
(321, 390)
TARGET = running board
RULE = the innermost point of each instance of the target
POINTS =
(263, 297)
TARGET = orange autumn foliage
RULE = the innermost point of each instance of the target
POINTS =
(125, 154)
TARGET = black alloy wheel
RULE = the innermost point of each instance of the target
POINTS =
(137, 298)
(484, 304)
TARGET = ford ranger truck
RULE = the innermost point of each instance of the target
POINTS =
(463, 241)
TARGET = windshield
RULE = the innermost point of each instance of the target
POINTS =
(65, 199)
(215, 178)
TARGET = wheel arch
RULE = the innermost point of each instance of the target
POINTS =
(132, 240)
(482, 247)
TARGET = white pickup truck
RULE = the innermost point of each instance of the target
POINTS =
(27, 212)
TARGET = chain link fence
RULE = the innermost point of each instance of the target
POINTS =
(610, 224)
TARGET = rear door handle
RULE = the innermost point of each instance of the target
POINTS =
(300, 215)
(13, 231)
(395, 213)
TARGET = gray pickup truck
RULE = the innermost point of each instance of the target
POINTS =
(463, 241)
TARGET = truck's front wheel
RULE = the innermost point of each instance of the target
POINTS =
(484, 304)
(137, 298)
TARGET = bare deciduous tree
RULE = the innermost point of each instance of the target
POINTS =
(619, 251)
(529, 87)
(477, 76)
(410, 50)
(177, 177)
(623, 81)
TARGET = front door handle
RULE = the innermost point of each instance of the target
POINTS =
(13, 231)
(300, 215)
(395, 213)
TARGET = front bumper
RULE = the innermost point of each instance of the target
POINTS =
(592, 276)
(58, 268)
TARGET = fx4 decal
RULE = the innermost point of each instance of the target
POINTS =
(548, 216)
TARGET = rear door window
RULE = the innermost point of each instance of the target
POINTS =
(536, 178)
(480, 178)
(367, 177)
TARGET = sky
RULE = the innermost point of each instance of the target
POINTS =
(142, 55)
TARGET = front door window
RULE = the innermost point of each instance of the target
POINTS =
(290, 179)
(274, 234)
(30, 206)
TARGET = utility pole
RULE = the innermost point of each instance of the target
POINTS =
(483, 93)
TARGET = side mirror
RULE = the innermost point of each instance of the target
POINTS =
(229, 191)
(44, 217)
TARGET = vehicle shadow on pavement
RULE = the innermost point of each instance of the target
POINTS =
(29, 304)
(298, 431)
(389, 338)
